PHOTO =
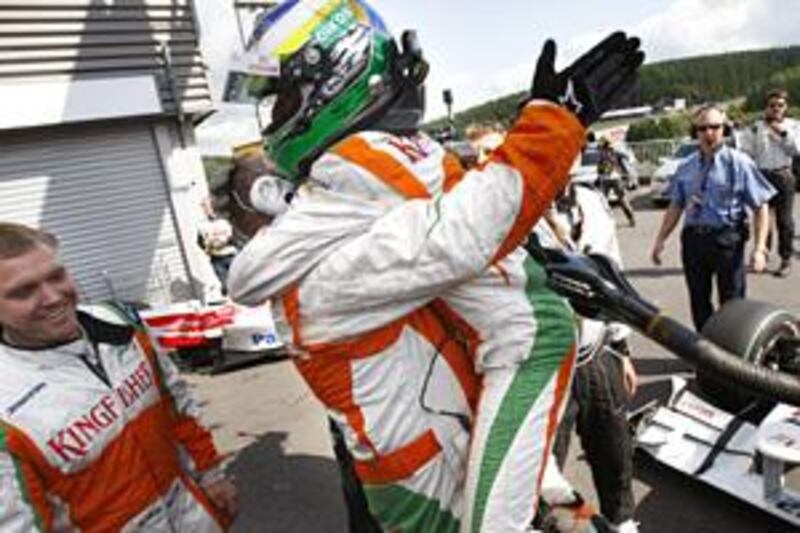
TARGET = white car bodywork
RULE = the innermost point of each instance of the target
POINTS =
(233, 330)
(748, 462)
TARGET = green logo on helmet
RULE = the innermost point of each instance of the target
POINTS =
(335, 26)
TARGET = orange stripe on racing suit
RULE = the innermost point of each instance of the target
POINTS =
(453, 172)
(401, 463)
(563, 381)
(329, 375)
(382, 165)
(330, 379)
(328, 372)
(20, 446)
(456, 340)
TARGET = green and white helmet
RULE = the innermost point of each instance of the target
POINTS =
(332, 67)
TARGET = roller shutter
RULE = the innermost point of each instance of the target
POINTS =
(101, 189)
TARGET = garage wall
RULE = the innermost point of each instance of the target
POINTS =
(90, 39)
(102, 189)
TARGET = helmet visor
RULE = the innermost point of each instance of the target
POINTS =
(251, 77)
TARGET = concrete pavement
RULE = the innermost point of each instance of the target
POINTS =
(276, 433)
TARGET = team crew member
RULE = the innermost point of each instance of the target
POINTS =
(773, 142)
(714, 187)
(398, 276)
(605, 377)
(97, 433)
(610, 163)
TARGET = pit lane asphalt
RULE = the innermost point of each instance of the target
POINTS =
(276, 435)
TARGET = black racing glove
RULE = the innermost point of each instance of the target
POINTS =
(595, 82)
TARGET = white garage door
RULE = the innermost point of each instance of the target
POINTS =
(101, 189)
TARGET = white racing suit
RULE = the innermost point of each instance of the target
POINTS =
(421, 324)
(114, 446)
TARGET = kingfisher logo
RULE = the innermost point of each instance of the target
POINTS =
(73, 441)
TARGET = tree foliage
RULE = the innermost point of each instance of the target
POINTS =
(716, 78)
(788, 79)
(667, 127)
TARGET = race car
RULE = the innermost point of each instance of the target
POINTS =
(722, 434)
(214, 336)
(736, 427)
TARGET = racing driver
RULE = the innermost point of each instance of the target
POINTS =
(415, 315)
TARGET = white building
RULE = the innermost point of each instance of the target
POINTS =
(98, 99)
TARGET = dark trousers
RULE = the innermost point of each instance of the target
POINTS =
(598, 406)
(221, 265)
(783, 204)
(616, 186)
(707, 254)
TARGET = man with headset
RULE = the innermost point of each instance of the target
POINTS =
(714, 187)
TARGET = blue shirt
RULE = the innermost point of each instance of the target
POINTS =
(716, 191)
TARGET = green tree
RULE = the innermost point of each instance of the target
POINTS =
(668, 127)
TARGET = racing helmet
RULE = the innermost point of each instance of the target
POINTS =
(332, 67)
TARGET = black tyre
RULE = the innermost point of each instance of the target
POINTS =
(749, 329)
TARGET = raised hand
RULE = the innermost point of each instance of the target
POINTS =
(595, 82)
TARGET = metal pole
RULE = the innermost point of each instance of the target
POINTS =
(165, 54)
(194, 283)
(236, 6)
(447, 96)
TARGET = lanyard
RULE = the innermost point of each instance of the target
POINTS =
(705, 170)
(704, 174)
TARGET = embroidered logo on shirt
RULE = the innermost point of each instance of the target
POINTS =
(410, 147)
(72, 442)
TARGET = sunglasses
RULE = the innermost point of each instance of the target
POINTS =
(705, 127)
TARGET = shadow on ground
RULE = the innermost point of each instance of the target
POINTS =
(286, 493)
(655, 272)
(642, 201)
(212, 364)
